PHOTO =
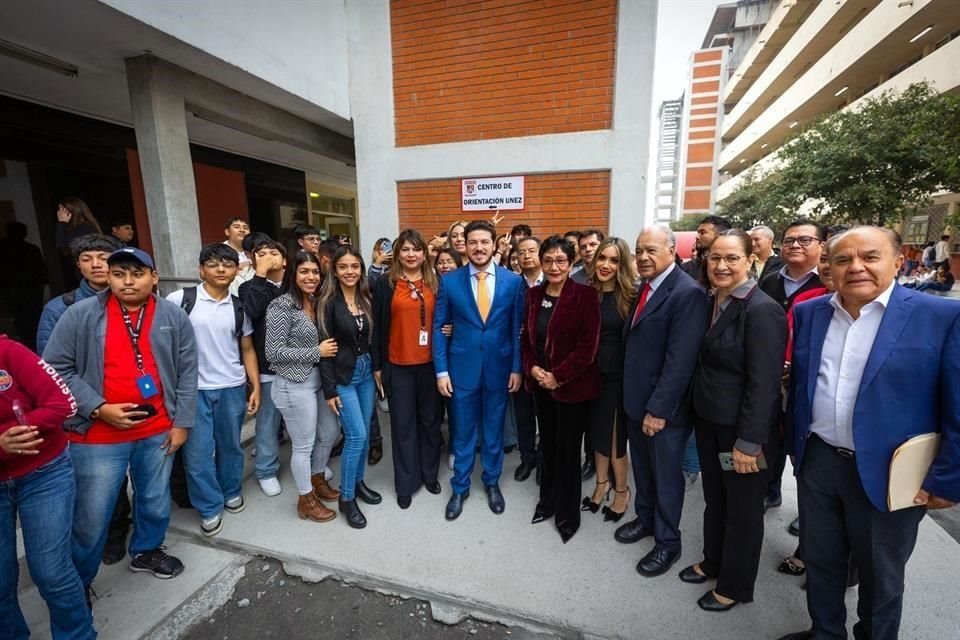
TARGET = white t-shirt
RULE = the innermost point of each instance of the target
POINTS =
(942, 250)
(244, 260)
(219, 362)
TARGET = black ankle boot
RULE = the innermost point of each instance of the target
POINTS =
(367, 494)
(351, 511)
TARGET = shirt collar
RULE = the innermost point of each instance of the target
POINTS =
(535, 282)
(656, 282)
(491, 268)
(801, 279)
(203, 295)
(743, 291)
(882, 301)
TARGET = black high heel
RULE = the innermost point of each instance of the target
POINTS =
(614, 516)
(589, 505)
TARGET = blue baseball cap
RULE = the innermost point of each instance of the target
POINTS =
(131, 253)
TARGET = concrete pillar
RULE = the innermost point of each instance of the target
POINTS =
(160, 123)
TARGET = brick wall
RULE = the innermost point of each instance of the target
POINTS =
(555, 203)
(468, 70)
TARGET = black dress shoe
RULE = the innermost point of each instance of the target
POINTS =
(800, 635)
(708, 602)
(495, 498)
(794, 528)
(657, 562)
(509, 449)
(433, 487)
(455, 505)
(375, 454)
(337, 448)
(588, 469)
(691, 576)
(770, 503)
(523, 472)
(351, 511)
(367, 494)
(541, 513)
(567, 531)
(115, 549)
(404, 501)
(632, 532)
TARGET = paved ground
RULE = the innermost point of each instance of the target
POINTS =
(493, 568)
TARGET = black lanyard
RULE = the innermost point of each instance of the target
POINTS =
(417, 293)
(134, 333)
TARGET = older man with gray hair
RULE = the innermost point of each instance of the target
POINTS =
(767, 261)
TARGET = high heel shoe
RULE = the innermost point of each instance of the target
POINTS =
(614, 516)
(589, 505)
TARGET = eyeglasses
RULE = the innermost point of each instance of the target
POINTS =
(559, 263)
(311, 238)
(731, 261)
(213, 264)
(803, 241)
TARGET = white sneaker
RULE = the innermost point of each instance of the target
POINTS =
(270, 486)
(450, 460)
(327, 474)
(235, 504)
(211, 526)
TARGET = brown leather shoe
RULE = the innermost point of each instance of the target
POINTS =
(322, 489)
(309, 508)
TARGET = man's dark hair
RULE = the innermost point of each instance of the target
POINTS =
(573, 233)
(304, 230)
(94, 242)
(219, 251)
(944, 237)
(558, 242)
(328, 248)
(264, 242)
(719, 223)
(251, 240)
(480, 225)
(230, 221)
(531, 239)
(521, 228)
(121, 222)
(591, 232)
(807, 222)
(836, 230)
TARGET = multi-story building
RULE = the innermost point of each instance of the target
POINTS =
(667, 199)
(813, 58)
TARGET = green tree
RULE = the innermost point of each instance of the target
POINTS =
(760, 200)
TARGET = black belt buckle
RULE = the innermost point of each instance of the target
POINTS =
(844, 453)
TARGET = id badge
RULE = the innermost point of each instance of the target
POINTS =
(147, 386)
(424, 338)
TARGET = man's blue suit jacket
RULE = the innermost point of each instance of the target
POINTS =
(491, 349)
(910, 386)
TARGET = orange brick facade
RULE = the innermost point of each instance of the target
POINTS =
(555, 203)
(466, 70)
(701, 125)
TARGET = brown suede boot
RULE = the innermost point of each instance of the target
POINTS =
(309, 508)
(322, 489)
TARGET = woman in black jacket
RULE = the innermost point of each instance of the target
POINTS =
(403, 302)
(735, 395)
(346, 315)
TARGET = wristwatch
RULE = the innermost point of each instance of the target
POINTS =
(95, 413)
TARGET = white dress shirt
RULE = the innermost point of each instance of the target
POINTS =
(491, 280)
(790, 284)
(846, 348)
(656, 282)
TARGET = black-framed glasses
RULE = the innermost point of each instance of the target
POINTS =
(730, 260)
(560, 263)
(214, 264)
(803, 241)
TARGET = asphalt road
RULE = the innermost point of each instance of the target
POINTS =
(267, 603)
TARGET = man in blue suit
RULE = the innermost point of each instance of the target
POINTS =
(661, 342)
(855, 353)
(479, 365)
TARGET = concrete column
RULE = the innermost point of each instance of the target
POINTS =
(160, 123)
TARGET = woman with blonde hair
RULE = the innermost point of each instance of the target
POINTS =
(614, 275)
(457, 238)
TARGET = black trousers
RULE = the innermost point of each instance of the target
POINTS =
(837, 519)
(526, 415)
(561, 431)
(777, 465)
(733, 517)
(414, 426)
(376, 436)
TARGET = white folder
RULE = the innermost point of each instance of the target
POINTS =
(909, 468)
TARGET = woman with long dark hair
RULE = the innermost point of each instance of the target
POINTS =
(613, 278)
(293, 347)
(346, 314)
(403, 304)
(559, 340)
(74, 219)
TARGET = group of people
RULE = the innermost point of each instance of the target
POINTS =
(741, 356)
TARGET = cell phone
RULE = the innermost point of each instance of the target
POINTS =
(149, 409)
(726, 461)
(386, 246)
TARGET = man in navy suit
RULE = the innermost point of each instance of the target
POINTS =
(661, 341)
(855, 353)
(479, 365)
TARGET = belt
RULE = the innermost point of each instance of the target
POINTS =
(843, 452)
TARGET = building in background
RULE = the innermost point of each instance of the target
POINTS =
(667, 200)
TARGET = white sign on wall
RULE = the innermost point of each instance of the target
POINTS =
(486, 194)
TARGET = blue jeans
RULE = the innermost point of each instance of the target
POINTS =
(357, 398)
(99, 470)
(691, 459)
(223, 410)
(934, 286)
(43, 499)
(267, 438)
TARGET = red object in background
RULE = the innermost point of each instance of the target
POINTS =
(685, 243)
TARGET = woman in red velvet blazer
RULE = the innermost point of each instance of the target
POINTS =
(561, 334)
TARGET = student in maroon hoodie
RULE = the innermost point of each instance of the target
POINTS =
(37, 486)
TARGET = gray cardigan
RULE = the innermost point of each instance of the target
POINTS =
(76, 347)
